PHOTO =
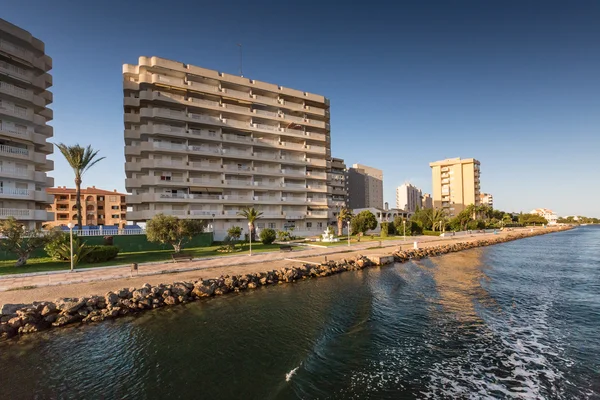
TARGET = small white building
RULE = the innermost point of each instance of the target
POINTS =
(383, 215)
(550, 216)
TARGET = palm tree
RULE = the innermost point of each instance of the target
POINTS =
(251, 214)
(80, 159)
(437, 217)
(344, 215)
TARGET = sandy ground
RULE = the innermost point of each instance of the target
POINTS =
(100, 288)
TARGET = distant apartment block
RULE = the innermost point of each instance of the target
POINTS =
(24, 132)
(486, 199)
(365, 187)
(337, 182)
(204, 144)
(98, 207)
(550, 216)
(427, 201)
(408, 197)
(455, 184)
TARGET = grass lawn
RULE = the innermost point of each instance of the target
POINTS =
(47, 264)
(344, 240)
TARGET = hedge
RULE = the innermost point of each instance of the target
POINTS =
(101, 254)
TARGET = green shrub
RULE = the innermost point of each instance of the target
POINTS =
(101, 253)
(432, 233)
(268, 236)
(59, 241)
(283, 236)
(385, 229)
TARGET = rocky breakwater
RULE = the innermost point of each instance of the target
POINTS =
(19, 319)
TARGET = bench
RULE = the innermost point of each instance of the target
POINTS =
(285, 248)
(181, 256)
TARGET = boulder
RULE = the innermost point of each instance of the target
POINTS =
(170, 300)
(10, 309)
(111, 298)
(50, 308)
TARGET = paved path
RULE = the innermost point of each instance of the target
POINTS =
(18, 281)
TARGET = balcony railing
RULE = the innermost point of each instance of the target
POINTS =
(266, 127)
(206, 181)
(169, 146)
(16, 91)
(237, 138)
(294, 185)
(204, 101)
(205, 149)
(236, 108)
(237, 152)
(230, 182)
(235, 167)
(267, 113)
(16, 172)
(235, 197)
(13, 150)
(205, 118)
(208, 213)
(202, 87)
(15, 192)
(15, 212)
(234, 92)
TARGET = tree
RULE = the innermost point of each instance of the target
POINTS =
(167, 229)
(437, 219)
(80, 159)
(20, 240)
(268, 236)
(506, 219)
(251, 214)
(344, 215)
(80, 251)
(363, 221)
(235, 232)
(529, 219)
(422, 216)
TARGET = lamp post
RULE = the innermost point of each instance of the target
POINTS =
(71, 226)
(404, 225)
(348, 228)
(250, 237)
(213, 225)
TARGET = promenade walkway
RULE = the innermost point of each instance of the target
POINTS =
(41, 279)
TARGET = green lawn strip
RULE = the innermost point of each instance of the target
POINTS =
(47, 264)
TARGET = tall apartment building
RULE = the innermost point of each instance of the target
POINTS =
(408, 197)
(486, 199)
(365, 187)
(337, 182)
(98, 207)
(204, 144)
(24, 98)
(427, 201)
(455, 184)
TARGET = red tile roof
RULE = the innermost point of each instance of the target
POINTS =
(89, 190)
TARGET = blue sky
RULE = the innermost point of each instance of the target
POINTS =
(515, 84)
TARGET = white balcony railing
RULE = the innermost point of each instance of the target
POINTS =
(237, 138)
(205, 149)
(267, 113)
(202, 87)
(15, 192)
(266, 127)
(169, 146)
(13, 150)
(208, 213)
(15, 212)
(16, 172)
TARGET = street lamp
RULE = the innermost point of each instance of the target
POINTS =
(71, 226)
(348, 228)
(404, 224)
(213, 225)
(250, 237)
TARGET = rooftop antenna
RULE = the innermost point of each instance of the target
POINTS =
(241, 59)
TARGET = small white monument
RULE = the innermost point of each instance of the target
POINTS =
(327, 236)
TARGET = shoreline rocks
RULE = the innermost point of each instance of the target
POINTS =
(21, 319)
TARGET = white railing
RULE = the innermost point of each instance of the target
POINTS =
(266, 127)
(204, 101)
(265, 198)
(231, 212)
(235, 197)
(205, 149)
(205, 212)
(202, 86)
(206, 181)
(235, 167)
(318, 213)
(13, 150)
(205, 196)
(205, 165)
(237, 138)
(7, 87)
(14, 192)
(268, 113)
(15, 212)
(170, 146)
(107, 231)
(20, 172)
(236, 108)
(236, 92)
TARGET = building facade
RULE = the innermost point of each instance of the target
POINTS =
(98, 207)
(365, 187)
(408, 197)
(486, 199)
(24, 132)
(204, 144)
(427, 201)
(337, 182)
(455, 184)
(550, 216)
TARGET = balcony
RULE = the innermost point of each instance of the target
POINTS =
(295, 215)
(205, 118)
(237, 138)
(24, 214)
(316, 149)
(266, 184)
(267, 156)
(292, 106)
(316, 200)
(266, 142)
(16, 173)
(266, 113)
(16, 91)
(271, 214)
(204, 102)
(289, 145)
(204, 149)
(266, 127)
(16, 152)
(234, 108)
(206, 166)
(294, 186)
(206, 182)
(206, 213)
(268, 199)
(202, 87)
(316, 136)
(266, 100)
(239, 168)
(296, 172)
(237, 182)
(237, 152)
(225, 92)
(318, 214)
(316, 175)
(169, 146)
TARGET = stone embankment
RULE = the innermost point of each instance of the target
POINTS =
(18, 319)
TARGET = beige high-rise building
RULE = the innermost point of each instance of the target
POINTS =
(204, 144)
(24, 132)
(408, 197)
(427, 201)
(365, 187)
(455, 184)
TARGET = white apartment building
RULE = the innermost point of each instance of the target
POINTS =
(408, 197)
(204, 144)
(24, 132)
(550, 216)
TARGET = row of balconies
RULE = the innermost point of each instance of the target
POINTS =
(225, 92)
(24, 214)
(43, 62)
(29, 135)
(27, 175)
(180, 132)
(212, 151)
(218, 199)
(214, 120)
(25, 94)
(221, 214)
(25, 194)
(27, 114)
(220, 107)
(25, 154)
(184, 182)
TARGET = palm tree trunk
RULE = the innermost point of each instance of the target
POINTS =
(78, 201)
(340, 224)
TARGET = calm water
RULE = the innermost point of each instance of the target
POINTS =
(517, 320)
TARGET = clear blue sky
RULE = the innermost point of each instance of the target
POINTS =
(515, 84)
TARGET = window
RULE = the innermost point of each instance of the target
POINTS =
(309, 225)
(272, 225)
(116, 216)
(112, 198)
(319, 224)
(114, 207)
(100, 208)
(260, 225)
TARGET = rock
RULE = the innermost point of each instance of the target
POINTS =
(9, 309)
(111, 298)
(15, 322)
(252, 285)
(124, 293)
(179, 289)
(170, 300)
(29, 328)
(203, 290)
(51, 318)
(48, 309)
